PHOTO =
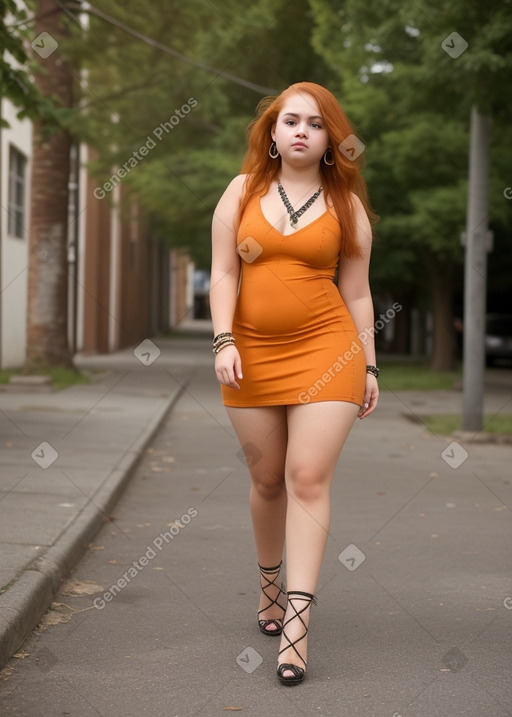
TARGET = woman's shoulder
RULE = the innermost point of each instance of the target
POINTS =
(360, 213)
(234, 192)
(229, 203)
(357, 205)
(237, 184)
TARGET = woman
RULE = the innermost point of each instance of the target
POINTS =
(293, 352)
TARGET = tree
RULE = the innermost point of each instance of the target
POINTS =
(405, 93)
(16, 83)
(47, 340)
(402, 64)
(141, 87)
(130, 88)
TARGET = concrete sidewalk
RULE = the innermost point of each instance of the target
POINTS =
(65, 457)
(414, 598)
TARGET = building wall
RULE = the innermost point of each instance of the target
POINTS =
(94, 296)
(136, 264)
(124, 284)
(127, 285)
(181, 288)
(13, 250)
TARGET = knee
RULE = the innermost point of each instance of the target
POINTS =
(307, 485)
(268, 486)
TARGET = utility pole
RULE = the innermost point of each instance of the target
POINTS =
(477, 244)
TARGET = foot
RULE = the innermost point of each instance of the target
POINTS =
(292, 659)
(271, 608)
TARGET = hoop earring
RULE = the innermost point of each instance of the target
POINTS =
(272, 151)
(331, 158)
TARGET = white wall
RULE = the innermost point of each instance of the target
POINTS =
(13, 251)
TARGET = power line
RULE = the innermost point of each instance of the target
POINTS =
(260, 89)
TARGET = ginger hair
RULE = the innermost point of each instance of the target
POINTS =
(340, 180)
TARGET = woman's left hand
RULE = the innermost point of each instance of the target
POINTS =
(371, 396)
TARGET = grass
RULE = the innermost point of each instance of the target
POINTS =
(445, 424)
(62, 377)
(416, 377)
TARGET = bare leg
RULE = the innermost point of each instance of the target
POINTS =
(316, 434)
(263, 435)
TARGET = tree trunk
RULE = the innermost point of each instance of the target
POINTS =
(401, 343)
(47, 321)
(440, 279)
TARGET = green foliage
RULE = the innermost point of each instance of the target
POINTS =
(406, 96)
(416, 377)
(181, 190)
(17, 68)
(61, 377)
(410, 100)
(446, 424)
(132, 89)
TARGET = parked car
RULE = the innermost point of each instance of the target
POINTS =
(498, 338)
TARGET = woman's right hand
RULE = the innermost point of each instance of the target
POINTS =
(228, 366)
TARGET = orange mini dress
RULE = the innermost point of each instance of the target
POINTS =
(296, 338)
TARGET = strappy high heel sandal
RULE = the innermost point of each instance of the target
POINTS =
(298, 672)
(276, 622)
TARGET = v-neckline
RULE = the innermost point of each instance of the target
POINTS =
(296, 231)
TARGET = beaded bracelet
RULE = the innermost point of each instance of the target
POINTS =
(222, 340)
(222, 345)
(221, 336)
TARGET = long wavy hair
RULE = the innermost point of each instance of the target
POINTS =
(338, 180)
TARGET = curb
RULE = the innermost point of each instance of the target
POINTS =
(25, 602)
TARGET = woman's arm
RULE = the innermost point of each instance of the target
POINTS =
(224, 278)
(354, 287)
